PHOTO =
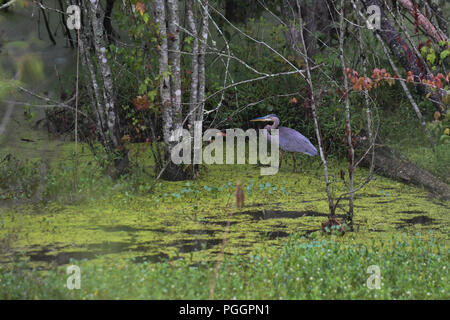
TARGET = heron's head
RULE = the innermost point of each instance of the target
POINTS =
(269, 118)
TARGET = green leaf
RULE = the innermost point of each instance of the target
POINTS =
(424, 50)
(152, 94)
(445, 54)
(146, 17)
(431, 57)
(142, 88)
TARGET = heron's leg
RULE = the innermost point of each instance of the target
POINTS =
(293, 159)
(281, 158)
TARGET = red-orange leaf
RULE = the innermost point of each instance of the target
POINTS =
(141, 103)
(437, 115)
(409, 77)
(140, 7)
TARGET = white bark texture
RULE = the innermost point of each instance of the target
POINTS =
(94, 91)
(163, 57)
(201, 61)
(194, 65)
(175, 61)
(112, 118)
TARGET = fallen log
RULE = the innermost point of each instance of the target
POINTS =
(391, 164)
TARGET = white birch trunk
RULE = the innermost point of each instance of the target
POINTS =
(194, 65)
(175, 61)
(164, 86)
(94, 93)
(105, 71)
(94, 90)
(201, 62)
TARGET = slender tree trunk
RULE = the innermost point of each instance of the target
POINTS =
(175, 60)
(105, 72)
(198, 71)
(193, 101)
(201, 61)
(170, 98)
(315, 117)
(94, 92)
(348, 129)
(164, 86)
(370, 125)
(92, 83)
(102, 87)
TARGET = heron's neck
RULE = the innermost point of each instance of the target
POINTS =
(268, 128)
(275, 124)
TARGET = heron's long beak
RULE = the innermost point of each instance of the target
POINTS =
(261, 119)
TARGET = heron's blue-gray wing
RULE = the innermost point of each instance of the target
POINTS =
(293, 141)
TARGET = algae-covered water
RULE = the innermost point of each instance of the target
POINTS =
(189, 219)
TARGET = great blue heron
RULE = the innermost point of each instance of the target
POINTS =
(290, 140)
